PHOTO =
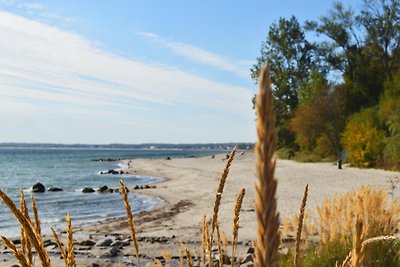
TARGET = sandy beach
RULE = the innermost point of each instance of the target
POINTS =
(188, 192)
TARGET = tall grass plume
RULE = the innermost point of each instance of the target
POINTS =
(300, 227)
(268, 238)
(131, 222)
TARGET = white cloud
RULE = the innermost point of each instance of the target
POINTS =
(66, 83)
(50, 76)
(197, 54)
(39, 12)
(44, 64)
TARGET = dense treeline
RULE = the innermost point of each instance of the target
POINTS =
(338, 96)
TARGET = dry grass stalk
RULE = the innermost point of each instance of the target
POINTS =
(29, 229)
(235, 227)
(300, 227)
(268, 237)
(347, 260)
(18, 254)
(25, 242)
(357, 251)
(130, 219)
(218, 194)
(60, 247)
(36, 225)
(181, 261)
(167, 257)
(189, 257)
(70, 243)
(204, 240)
(225, 241)
(36, 216)
(219, 243)
(370, 204)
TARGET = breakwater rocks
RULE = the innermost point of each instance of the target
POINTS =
(108, 159)
(112, 172)
(40, 188)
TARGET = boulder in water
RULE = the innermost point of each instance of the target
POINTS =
(38, 188)
(88, 190)
(54, 189)
(102, 189)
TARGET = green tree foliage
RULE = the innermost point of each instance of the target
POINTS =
(381, 21)
(358, 56)
(308, 89)
(389, 111)
(363, 139)
(290, 59)
(363, 47)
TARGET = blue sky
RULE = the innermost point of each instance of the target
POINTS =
(134, 71)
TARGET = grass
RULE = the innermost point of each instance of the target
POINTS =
(235, 226)
(268, 237)
(300, 228)
(356, 229)
(359, 226)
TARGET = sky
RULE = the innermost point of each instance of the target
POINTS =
(100, 72)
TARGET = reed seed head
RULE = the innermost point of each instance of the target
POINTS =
(268, 237)
(131, 222)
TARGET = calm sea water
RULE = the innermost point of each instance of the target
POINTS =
(72, 170)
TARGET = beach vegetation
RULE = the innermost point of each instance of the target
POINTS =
(363, 139)
(359, 225)
(319, 85)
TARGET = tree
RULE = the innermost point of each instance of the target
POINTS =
(381, 21)
(364, 47)
(389, 112)
(290, 59)
(316, 80)
(319, 122)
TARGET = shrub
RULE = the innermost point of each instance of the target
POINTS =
(389, 112)
(336, 224)
(363, 140)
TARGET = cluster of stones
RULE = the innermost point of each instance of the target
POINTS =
(40, 188)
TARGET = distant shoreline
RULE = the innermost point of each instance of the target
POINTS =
(158, 146)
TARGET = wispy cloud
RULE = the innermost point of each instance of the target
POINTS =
(197, 54)
(38, 11)
(45, 67)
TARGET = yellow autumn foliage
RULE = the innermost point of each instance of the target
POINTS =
(363, 140)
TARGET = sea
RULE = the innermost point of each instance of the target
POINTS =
(72, 169)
